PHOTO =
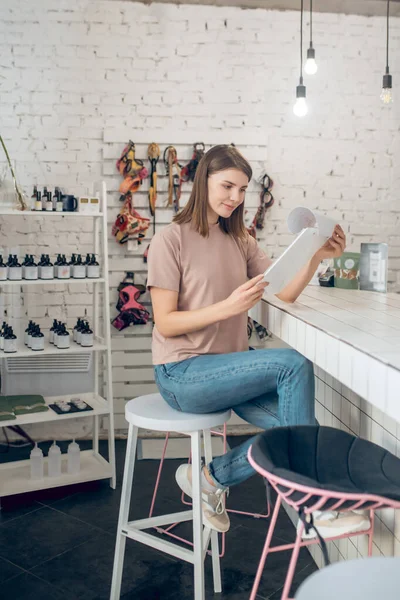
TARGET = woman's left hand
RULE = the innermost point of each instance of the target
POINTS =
(334, 247)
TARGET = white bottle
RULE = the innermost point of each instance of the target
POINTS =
(36, 463)
(54, 461)
(74, 458)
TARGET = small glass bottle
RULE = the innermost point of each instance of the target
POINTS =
(49, 202)
(33, 198)
(55, 196)
(3, 269)
(59, 202)
(44, 198)
(38, 201)
(36, 463)
(54, 461)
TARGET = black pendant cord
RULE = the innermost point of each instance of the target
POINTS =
(301, 42)
(387, 36)
(310, 23)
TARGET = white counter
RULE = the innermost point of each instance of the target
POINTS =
(352, 335)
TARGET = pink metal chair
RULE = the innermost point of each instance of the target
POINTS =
(168, 531)
(322, 468)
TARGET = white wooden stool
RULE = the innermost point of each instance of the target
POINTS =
(152, 412)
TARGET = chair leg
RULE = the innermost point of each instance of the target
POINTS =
(266, 549)
(199, 593)
(292, 564)
(371, 533)
(214, 535)
(124, 512)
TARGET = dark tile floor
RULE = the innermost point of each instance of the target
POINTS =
(59, 544)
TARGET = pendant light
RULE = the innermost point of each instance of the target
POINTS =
(300, 108)
(386, 94)
(311, 66)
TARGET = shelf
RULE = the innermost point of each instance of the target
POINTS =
(98, 345)
(99, 405)
(15, 476)
(8, 282)
(34, 213)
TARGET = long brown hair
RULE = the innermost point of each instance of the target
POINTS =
(218, 158)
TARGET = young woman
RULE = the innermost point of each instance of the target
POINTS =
(205, 273)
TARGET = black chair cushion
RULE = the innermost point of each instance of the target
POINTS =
(328, 459)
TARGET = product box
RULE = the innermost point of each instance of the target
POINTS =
(346, 270)
(373, 267)
(89, 204)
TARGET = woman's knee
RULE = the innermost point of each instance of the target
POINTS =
(299, 363)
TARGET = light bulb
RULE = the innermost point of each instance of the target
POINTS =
(311, 66)
(387, 95)
(300, 108)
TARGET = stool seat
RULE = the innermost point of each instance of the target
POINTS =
(366, 578)
(152, 412)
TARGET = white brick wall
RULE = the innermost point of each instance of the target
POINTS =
(77, 83)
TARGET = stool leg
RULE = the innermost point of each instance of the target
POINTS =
(197, 518)
(160, 466)
(214, 534)
(124, 512)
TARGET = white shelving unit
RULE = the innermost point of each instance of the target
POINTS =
(15, 476)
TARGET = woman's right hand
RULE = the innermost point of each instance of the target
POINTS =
(246, 296)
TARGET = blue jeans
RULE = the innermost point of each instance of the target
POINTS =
(266, 388)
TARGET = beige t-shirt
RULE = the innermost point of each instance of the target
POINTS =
(204, 271)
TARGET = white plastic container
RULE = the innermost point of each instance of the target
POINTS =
(10, 344)
(79, 271)
(54, 461)
(37, 342)
(86, 339)
(14, 273)
(36, 463)
(31, 272)
(63, 341)
(74, 458)
(46, 272)
(3, 272)
(63, 271)
(93, 271)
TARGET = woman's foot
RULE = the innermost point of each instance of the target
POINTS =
(331, 523)
(213, 499)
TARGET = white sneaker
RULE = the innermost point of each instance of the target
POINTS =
(213, 503)
(331, 523)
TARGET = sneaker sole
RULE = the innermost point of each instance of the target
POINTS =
(185, 485)
(328, 532)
